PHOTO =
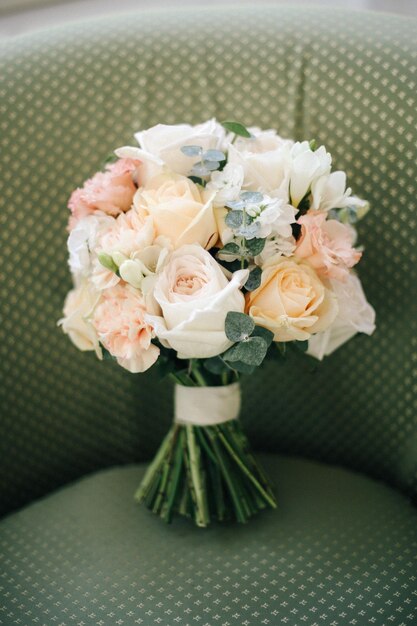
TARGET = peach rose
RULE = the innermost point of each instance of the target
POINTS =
(327, 245)
(181, 211)
(291, 300)
(119, 320)
(111, 191)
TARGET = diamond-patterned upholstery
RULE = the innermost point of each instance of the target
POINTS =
(68, 97)
(340, 550)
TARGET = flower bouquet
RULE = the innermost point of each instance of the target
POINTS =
(203, 251)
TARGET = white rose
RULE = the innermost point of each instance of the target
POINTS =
(265, 160)
(78, 309)
(195, 297)
(355, 315)
(161, 145)
(306, 166)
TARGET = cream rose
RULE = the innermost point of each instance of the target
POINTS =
(181, 211)
(195, 297)
(291, 301)
(79, 307)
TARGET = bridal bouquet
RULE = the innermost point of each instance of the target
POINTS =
(203, 251)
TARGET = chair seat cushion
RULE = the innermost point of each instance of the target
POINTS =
(339, 550)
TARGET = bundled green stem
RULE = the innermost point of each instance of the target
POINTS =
(206, 473)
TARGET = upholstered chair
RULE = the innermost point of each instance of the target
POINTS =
(339, 439)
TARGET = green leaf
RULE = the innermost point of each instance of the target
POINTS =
(236, 128)
(234, 219)
(230, 248)
(107, 262)
(255, 246)
(197, 180)
(254, 279)
(304, 205)
(301, 345)
(266, 334)
(107, 356)
(110, 158)
(313, 145)
(238, 326)
(251, 351)
(191, 150)
(216, 365)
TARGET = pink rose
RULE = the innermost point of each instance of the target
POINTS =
(110, 192)
(327, 245)
(119, 320)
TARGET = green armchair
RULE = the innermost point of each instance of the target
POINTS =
(339, 440)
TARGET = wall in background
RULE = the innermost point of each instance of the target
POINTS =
(19, 16)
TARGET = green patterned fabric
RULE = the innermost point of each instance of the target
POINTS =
(71, 95)
(340, 550)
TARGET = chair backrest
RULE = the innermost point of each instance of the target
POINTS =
(71, 95)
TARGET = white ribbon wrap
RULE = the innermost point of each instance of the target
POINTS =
(206, 406)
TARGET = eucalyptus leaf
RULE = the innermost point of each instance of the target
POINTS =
(230, 248)
(252, 196)
(243, 368)
(251, 351)
(266, 334)
(234, 219)
(214, 155)
(211, 165)
(238, 326)
(236, 205)
(255, 246)
(191, 150)
(200, 170)
(250, 231)
(254, 279)
(236, 128)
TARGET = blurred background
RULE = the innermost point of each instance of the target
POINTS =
(20, 16)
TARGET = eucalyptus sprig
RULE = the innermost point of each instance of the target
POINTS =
(251, 344)
(210, 160)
